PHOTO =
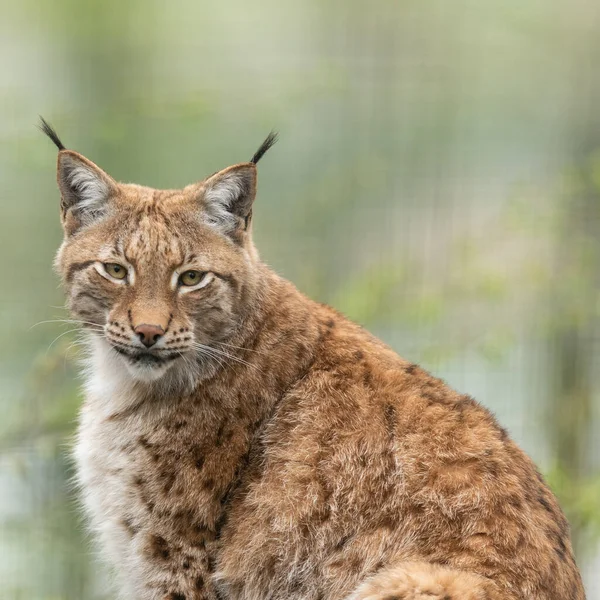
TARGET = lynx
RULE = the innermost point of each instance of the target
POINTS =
(240, 441)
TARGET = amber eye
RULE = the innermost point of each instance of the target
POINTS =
(115, 270)
(191, 277)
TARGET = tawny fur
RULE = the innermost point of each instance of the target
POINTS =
(296, 456)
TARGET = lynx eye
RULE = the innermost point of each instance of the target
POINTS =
(190, 278)
(115, 270)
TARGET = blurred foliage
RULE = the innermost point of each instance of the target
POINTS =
(580, 500)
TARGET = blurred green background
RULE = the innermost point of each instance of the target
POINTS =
(437, 179)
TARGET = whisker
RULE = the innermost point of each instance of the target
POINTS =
(68, 321)
(232, 357)
(77, 342)
(216, 351)
(242, 348)
(186, 359)
(58, 337)
(207, 351)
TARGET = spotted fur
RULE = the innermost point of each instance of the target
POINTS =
(266, 447)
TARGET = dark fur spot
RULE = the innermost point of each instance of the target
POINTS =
(169, 480)
(222, 521)
(542, 500)
(176, 596)
(322, 514)
(389, 413)
(219, 438)
(411, 369)
(143, 440)
(158, 547)
(466, 402)
(359, 355)
(378, 566)
(515, 501)
(493, 468)
(199, 583)
(131, 528)
(561, 550)
(210, 564)
(367, 376)
(386, 522)
(342, 542)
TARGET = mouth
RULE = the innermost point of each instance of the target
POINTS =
(146, 359)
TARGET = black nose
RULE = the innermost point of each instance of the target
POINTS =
(149, 334)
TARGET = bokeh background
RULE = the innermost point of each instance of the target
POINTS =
(437, 179)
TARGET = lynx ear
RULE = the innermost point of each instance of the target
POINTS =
(228, 197)
(85, 188)
(229, 194)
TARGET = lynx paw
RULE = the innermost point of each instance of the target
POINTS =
(424, 581)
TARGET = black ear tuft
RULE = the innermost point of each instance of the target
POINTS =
(268, 143)
(46, 128)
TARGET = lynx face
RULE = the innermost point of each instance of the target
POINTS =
(160, 278)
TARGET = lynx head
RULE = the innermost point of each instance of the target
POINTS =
(158, 277)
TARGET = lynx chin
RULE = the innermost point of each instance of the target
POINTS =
(240, 441)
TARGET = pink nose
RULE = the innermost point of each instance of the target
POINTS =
(149, 334)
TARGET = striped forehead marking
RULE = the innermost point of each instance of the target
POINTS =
(153, 238)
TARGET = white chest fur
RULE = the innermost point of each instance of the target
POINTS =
(108, 460)
(143, 467)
